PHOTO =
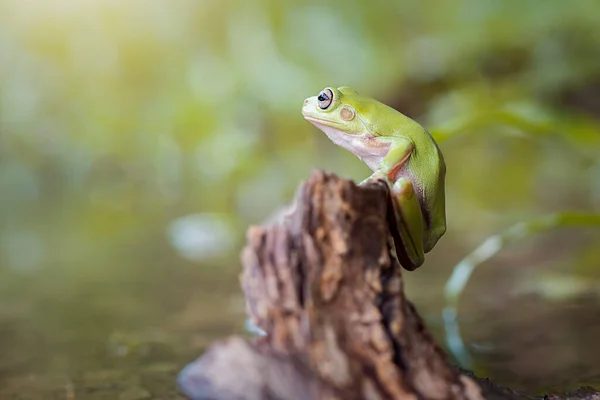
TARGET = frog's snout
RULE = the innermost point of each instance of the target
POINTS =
(306, 105)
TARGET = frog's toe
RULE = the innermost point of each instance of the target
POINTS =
(381, 176)
(377, 176)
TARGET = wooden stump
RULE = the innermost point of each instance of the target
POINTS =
(325, 283)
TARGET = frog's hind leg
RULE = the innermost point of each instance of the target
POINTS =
(411, 226)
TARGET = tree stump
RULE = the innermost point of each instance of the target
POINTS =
(325, 283)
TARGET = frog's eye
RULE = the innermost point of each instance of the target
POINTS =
(325, 99)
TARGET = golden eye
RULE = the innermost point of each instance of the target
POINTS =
(325, 99)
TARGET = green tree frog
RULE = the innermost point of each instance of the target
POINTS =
(400, 151)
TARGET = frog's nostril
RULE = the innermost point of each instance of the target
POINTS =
(306, 101)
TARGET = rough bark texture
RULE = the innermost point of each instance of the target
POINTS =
(324, 282)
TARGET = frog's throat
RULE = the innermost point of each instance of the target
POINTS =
(366, 146)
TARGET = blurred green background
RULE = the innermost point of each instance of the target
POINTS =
(139, 139)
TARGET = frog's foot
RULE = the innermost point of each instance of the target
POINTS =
(410, 223)
(377, 175)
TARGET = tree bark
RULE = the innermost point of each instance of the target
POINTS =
(325, 283)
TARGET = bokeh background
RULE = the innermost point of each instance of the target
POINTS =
(140, 139)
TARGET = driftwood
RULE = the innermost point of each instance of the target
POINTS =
(326, 285)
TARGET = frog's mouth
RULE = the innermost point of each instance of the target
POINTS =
(321, 121)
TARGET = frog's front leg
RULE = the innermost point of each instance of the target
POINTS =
(399, 151)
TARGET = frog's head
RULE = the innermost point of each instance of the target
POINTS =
(347, 119)
(335, 109)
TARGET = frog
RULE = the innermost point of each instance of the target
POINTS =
(400, 152)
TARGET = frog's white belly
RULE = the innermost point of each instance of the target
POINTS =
(365, 147)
